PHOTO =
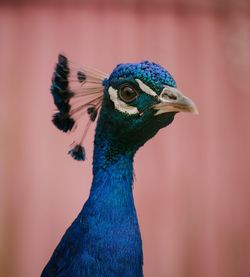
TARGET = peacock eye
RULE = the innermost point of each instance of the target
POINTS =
(127, 93)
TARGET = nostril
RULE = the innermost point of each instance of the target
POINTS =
(169, 95)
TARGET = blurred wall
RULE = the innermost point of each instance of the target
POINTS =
(192, 184)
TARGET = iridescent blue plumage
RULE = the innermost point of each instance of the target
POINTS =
(151, 73)
(104, 240)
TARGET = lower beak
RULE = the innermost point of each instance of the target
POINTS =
(172, 100)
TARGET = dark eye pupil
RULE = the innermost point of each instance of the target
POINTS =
(127, 93)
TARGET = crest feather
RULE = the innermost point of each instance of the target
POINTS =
(76, 92)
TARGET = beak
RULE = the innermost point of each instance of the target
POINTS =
(172, 100)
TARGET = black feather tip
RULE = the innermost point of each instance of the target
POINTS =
(62, 93)
(81, 76)
(63, 121)
(92, 111)
(62, 60)
(61, 98)
(62, 66)
(60, 85)
(78, 152)
(60, 79)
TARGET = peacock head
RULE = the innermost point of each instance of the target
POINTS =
(136, 101)
(139, 99)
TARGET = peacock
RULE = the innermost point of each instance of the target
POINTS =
(130, 105)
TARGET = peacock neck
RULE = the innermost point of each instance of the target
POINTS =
(112, 172)
(109, 214)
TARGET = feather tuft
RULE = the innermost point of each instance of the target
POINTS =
(63, 121)
(78, 152)
(76, 92)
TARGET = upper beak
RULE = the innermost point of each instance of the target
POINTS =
(172, 100)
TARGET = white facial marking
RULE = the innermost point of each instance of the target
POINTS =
(119, 104)
(146, 88)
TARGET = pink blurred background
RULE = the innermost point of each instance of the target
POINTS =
(192, 188)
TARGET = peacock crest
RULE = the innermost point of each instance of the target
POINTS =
(76, 92)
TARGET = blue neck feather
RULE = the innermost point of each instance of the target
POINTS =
(111, 190)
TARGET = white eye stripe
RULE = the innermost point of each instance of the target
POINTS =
(119, 104)
(146, 88)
